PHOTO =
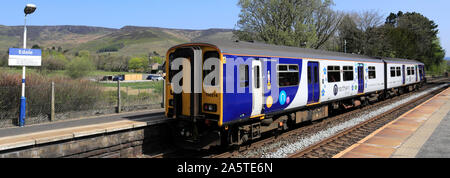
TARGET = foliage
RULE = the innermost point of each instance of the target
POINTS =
(79, 67)
(70, 95)
(301, 23)
(403, 35)
(53, 60)
(138, 64)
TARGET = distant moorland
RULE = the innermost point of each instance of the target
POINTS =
(128, 41)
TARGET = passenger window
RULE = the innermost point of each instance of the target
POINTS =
(393, 72)
(372, 72)
(243, 75)
(334, 74)
(399, 72)
(316, 74)
(348, 73)
(288, 75)
(309, 74)
(257, 72)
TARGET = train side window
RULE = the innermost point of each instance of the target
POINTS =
(256, 73)
(392, 71)
(243, 75)
(334, 74)
(409, 70)
(288, 75)
(309, 75)
(348, 73)
(372, 72)
(399, 71)
(316, 74)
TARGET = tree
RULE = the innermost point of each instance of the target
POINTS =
(301, 23)
(350, 37)
(138, 64)
(35, 47)
(79, 67)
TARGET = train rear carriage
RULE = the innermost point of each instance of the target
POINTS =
(403, 75)
(231, 92)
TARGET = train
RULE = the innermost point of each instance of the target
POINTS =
(231, 92)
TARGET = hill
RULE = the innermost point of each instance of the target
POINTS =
(129, 40)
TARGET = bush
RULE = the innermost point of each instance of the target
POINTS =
(138, 64)
(70, 95)
(79, 67)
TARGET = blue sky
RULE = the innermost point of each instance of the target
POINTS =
(190, 14)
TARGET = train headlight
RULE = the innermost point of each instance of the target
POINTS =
(210, 107)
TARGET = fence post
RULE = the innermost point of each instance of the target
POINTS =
(119, 104)
(52, 114)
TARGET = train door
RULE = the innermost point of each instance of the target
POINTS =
(187, 103)
(360, 78)
(313, 82)
(257, 89)
(404, 74)
(417, 73)
(421, 73)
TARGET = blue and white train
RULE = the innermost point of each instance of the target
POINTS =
(257, 88)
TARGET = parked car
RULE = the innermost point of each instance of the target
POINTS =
(154, 78)
(116, 78)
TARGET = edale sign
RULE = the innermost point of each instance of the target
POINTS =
(24, 57)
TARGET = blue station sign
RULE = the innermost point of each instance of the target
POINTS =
(24, 57)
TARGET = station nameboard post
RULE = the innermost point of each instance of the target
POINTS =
(24, 57)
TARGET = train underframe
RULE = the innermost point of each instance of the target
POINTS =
(203, 133)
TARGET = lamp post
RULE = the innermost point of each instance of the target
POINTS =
(29, 9)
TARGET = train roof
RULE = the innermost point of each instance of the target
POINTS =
(262, 49)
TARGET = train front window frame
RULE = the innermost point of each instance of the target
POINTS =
(206, 56)
(288, 75)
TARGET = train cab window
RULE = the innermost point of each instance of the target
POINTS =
(348, 73)
(208, 55)
(399, 71)
(334, 74)
(288, 75)
(372, 72)
(393, 72)
(414, 70)
(244, 75)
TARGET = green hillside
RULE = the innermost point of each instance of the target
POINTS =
(128, 41)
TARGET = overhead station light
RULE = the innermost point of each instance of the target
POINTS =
(29, 9)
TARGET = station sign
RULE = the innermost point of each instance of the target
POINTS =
(25, 57)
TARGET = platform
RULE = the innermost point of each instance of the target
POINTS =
(12, 138)
(423, 132)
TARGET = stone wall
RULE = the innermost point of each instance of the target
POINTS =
(122, 144)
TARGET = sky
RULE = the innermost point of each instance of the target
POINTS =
(191, 14)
